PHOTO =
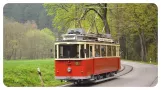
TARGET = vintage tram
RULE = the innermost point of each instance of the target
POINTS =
(81, 57)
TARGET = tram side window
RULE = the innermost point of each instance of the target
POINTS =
(82, 51)
(103, 50)
(114, 50)
(87, 50)
(68, 51)
(90, 51)
(61, 51)
(97, 50)
(55, 51)
(108, 50)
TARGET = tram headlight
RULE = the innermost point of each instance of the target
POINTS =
(69, 69)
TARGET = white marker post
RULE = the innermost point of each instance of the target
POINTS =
(40, 76)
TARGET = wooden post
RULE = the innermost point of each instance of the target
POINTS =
(40, 76)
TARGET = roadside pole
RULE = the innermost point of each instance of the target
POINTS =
(40, 76)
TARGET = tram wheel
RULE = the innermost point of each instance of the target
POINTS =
(111, 74)
(96, 77)
(107, 75)
(116, 72)
(77, 82)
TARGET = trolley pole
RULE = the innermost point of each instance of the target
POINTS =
(40, 76)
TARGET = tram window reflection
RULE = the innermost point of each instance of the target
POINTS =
(82, 51)
(69, 51)
(90, 51)
(97, 50)
(114, 50)
(103, 50)
(108, 50)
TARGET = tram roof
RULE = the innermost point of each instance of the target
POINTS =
(86, 42)
(78, 36)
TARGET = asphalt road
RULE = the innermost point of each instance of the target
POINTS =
(141, 75)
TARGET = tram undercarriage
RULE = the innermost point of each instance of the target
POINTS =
(93, 79)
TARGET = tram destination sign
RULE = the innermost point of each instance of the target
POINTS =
(105, 40)
(72, 37)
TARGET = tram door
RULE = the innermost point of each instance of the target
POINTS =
(91, 55)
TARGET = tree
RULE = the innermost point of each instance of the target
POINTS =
(25, 41)
(25, 12)
(101, 11)
(138, 29)
(73, 15)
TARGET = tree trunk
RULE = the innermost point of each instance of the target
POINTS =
(142, 51)
(156, 42)
(15, 51)
(104, 19)
(107, 30)
(20, 54)
(143, 46)
(126, 49)
(10, 55)
(122, 41)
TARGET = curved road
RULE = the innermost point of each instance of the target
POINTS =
(142, 75)
(133, 75)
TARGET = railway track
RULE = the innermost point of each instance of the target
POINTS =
(124, 70)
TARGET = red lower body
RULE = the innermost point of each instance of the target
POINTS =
(85, 68)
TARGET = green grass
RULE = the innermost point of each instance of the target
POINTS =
(19, 73)
(154, 63)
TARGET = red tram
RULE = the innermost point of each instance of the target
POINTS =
(81, 57)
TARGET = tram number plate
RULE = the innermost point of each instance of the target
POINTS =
(77, 63)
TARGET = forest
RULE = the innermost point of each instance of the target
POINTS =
(30, 30)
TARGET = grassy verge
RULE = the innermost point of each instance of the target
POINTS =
(24, 73)
(154, 63)
(18, 73)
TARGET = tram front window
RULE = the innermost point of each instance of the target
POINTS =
(69, 51)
